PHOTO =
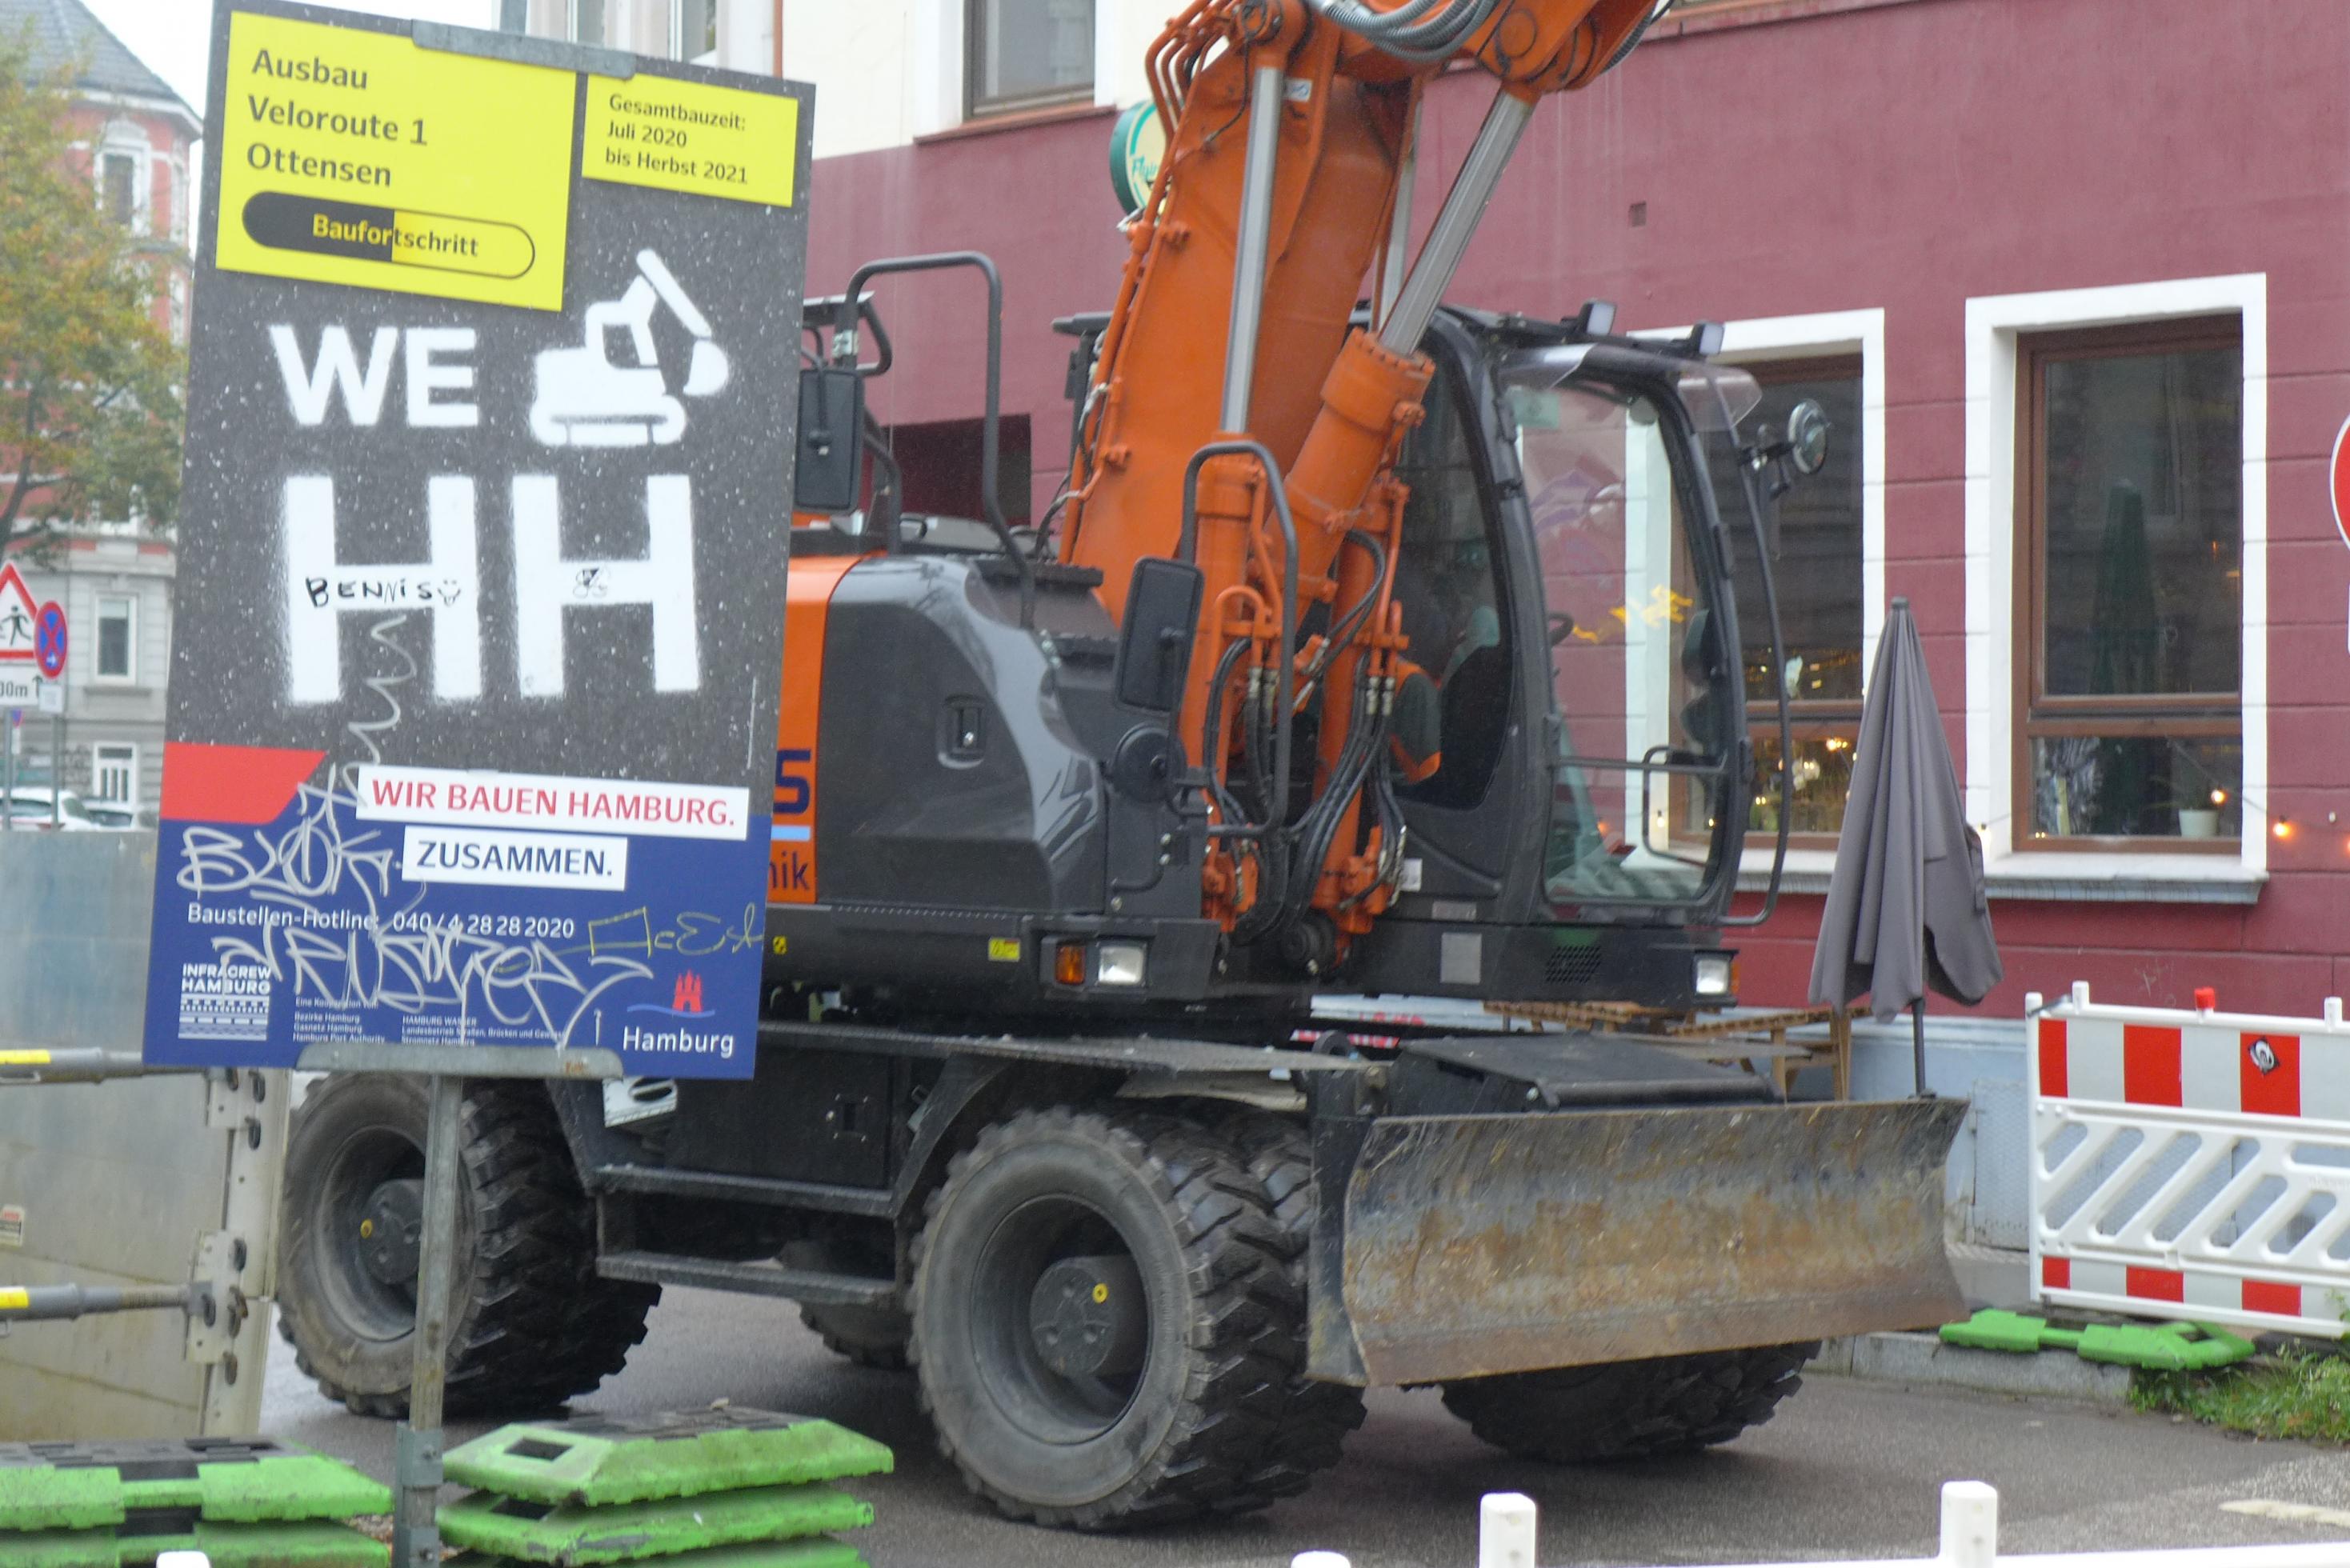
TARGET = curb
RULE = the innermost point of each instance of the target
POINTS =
(1923, 1358)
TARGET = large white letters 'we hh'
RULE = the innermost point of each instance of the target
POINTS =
(321, 590)
(546, 584)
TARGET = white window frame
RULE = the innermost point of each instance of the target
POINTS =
(1822, 335)
(1995, 324)
(571, 21)
(100, 762)
(709, 56)
(121, 139)
(131, 642)
(940, 67)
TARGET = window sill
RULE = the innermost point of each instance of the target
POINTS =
(2089, 878)
(1019, 119)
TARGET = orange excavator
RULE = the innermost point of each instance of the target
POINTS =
(1374, 645)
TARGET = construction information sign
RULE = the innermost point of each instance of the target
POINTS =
(473, 695)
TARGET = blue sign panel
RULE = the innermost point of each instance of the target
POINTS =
(475, 690)
(49, 640)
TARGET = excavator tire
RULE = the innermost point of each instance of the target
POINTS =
(1178, 1427)
(1630, 1409)
(869, 1336)
(531, 1324)
(1318, 1417)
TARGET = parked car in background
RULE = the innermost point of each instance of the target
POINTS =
(41, 807)
(115, 815)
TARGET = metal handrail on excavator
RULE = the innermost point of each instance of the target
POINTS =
(844, 355)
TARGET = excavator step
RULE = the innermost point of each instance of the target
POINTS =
(810, 1287)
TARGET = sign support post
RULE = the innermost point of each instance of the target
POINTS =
(416, 1537)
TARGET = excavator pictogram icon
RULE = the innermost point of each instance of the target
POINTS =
(581, 398)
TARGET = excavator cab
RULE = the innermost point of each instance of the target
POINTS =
(1566, 583)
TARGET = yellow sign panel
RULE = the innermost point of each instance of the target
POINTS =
(354, 156)
(688, 136)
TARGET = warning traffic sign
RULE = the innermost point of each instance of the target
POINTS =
(19, 619)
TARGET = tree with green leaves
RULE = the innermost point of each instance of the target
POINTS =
(90, 412)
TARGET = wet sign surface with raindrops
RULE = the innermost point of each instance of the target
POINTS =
(475, 687)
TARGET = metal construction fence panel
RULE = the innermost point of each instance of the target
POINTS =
(117, 1184)
(2191, 1165)
(1970, 1539)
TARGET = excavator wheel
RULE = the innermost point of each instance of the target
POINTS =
(1105, 1322)
(869, 1336)
(531, 1324)
(1630, 1409)
(1318, 1417)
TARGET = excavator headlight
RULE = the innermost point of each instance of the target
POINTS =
(1717, 974)
(1120, 963)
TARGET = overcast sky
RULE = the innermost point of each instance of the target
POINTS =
(175, 37)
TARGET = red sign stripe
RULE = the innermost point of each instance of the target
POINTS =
(2055, 1071)
(2275, 1092)
(2283, 1300)
(243, 784)
(2150, 1069)
(2056, 1274)
(2157, 1284)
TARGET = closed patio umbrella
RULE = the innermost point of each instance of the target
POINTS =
(1906, 908)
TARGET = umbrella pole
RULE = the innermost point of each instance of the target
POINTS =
(1917, 1045)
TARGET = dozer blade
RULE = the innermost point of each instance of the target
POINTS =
(1482, 1244)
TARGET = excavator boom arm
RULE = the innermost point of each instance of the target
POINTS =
(1290, 131)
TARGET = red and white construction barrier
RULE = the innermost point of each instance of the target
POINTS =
(2191, 1165)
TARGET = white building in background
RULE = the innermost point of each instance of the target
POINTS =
(889, 72)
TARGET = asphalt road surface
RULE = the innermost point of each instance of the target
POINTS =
(1848, 1469)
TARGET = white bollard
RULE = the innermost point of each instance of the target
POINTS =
(183, 1559)
(1320, 1560)
(1505, 1531)
(1970, 1525)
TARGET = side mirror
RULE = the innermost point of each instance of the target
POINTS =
(830, 468)
(1154, 649)
(1807, 437)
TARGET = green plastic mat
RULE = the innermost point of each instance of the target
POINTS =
(568, 1536)
(279, 1543)
(601, 1461)
(59, 1548)
(306, 1543)
(2158, 1347)
(819, 1553)
(79, 1486)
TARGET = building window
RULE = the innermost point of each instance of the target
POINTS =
(692, 29)
(114, 774)
(1025, 54)
(118, 188)
(588, 22)
(2129, 575)
(1816, 534)
(117, 637)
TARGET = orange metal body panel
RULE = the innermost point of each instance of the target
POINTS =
(791, 854)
